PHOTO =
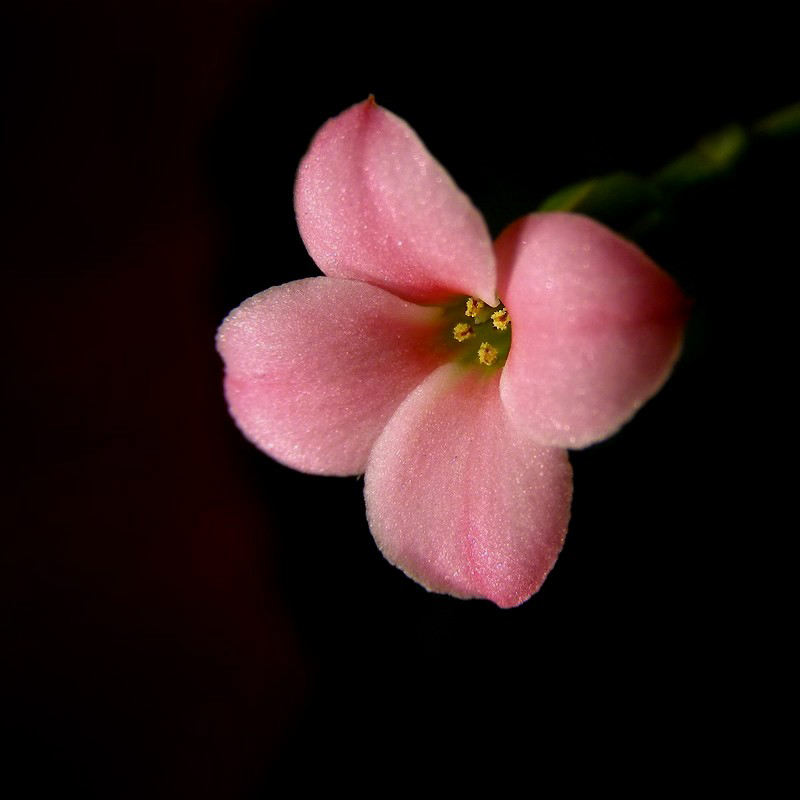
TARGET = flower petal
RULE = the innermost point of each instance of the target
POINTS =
(597, 327)
(458, 500)
(372, 204)
(315, 368)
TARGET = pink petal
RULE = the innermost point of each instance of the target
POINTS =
(315, 368)
(597, 327)
(373, 204)
(458, 500)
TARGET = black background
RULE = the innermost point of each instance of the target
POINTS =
(186, 617)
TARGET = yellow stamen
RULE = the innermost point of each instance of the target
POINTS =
(501, 319)
(462, 332)
(473, 307)
(487, 354)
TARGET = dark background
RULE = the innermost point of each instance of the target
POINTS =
(185, 617)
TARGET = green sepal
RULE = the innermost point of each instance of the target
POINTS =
(612, 199)
(712, 157)
(781, 124)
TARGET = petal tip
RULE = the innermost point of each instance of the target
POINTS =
(461, 503)
(373, 204)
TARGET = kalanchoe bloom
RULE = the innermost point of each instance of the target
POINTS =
(399, 363)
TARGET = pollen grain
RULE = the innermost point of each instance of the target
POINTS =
(487, 354)
(462, 332)
(473, 307)
(501, 319)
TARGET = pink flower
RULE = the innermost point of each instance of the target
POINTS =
(376, 369)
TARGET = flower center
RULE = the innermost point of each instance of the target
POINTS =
(479, 334)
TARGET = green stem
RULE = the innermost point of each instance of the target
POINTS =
(636, 205)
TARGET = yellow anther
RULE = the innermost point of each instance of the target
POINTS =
(473, 307)
(462, 332)
(501, 319)
(487, 354)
